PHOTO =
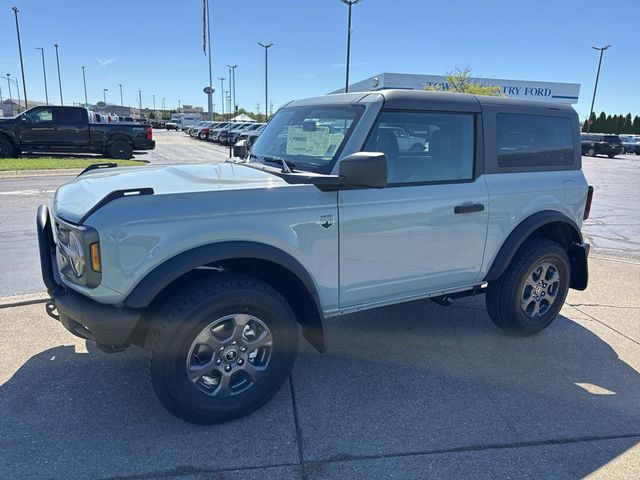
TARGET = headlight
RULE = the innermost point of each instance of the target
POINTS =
(78, 254)
(75, 251)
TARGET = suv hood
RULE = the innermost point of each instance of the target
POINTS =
(75, 198)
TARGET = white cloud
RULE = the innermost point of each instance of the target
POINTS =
(106, 61)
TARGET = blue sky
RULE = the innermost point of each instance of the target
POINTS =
(156, 46)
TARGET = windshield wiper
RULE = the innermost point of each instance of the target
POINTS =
(286, 165)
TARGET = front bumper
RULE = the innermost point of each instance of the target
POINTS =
(110, 327)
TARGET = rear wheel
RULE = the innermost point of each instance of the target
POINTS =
(7, 149)
(529, 294)
(591, 152)
(219, 349)
(120, 150)
(611, 155)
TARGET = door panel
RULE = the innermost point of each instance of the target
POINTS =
(403, 241)
(39, 128)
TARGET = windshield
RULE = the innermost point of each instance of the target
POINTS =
(308, 138)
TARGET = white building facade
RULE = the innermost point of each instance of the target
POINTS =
(531, 90)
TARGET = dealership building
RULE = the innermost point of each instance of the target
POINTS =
(545, 91)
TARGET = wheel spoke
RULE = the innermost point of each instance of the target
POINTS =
(224, 388)
(264, 340)
(553, 278)
(197, 371)
(536, 309)
(252, 371)
(239, 322)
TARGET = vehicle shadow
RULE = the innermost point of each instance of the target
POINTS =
(88, 156)
(407, 379)
(421, 378)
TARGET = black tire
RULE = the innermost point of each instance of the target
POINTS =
(200, 136)
(187, 314)
(591, 152)
(120, 149)
(505, 295)
(7, 149)
(611, 155)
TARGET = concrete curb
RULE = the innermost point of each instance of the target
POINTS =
(26, 299)
(40, 173)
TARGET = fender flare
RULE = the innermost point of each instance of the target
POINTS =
(164, 274)
(519, 234)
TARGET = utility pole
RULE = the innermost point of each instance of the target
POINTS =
(104, 96)
(24, 83)
(232, 81)
(59, 79)
(84, 82)
(266, 78)
(140, 101)
(595, 88)
(44, 72)
(10, 99)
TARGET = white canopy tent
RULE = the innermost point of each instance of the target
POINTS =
(242, 118)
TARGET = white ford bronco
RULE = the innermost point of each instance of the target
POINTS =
(212, 268)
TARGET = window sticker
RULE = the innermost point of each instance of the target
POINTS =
(310, 143)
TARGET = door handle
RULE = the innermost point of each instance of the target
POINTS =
(471, 208)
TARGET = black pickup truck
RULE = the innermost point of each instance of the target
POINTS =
(67, 129)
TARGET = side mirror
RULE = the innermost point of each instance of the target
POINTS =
(364, 169)
(24, 118)
(240, 149)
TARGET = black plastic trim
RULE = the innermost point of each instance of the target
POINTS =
(517, 237)
(46, 246)
(95, 166)
(113, 196)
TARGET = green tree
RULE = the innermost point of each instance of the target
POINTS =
(628, 126)
(460, 81)
(601, 123)
(585, 125)
(636, 125)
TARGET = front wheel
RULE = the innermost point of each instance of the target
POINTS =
(120, 150)
(7, 149)
(611, 155)
(530, 293)
(591, 152)
(220, 348)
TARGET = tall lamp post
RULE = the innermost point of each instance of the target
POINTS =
(121, 101)
(24, 84)
(15, 82)
(266, 78)
(232, 81)
(140, 101)
(10, 99)
(595, 88)
(84, 83)
(104, 96)
(59, 79)
(222, 79)
(44, 72)
(210, 94)
(350, 3)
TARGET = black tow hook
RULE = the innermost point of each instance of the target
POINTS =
(52, 310)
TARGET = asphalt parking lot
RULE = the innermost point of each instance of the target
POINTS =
(408, 391)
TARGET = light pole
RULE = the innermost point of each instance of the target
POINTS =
(121, 101)
(179, 106)
(595, 87)
(222, 79)
(84, 83)
(15, 82)
(44, 72)
(59, 79)
(10, 99)
(266, 77)
(104, 96)
(232, 80)
(350, 3)
(210, 94)
(140, 101)
(24, 84)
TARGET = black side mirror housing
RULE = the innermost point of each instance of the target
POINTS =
(364, 169)
(240, 149)
(24, 119)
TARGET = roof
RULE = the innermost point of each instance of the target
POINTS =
(242, 118)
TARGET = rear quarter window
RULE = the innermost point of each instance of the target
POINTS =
(534, 140)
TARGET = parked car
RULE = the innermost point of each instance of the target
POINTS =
(630, 144)
(192, 130)
(251, 136)
(214, 134)
(70, 129)
(213, 268)
(234, 135)
(202, 131)
(209, 135)
(223, 138)
(172, 125)
(593, 144)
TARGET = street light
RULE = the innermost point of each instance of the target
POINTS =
(179, 106)
(10, 99)
(44, 72)
(104, 96)
(266, 78)
(84, 82)
(24, 84)
(210, 91)
(140, 101)
(15, 82)
(595, 87)
(59, 79)
(121, 101)
(222, 79)
(232, 80)
(350, 3)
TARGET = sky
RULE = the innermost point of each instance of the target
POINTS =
(156, 46)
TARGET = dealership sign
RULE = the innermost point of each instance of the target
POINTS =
(545, 91)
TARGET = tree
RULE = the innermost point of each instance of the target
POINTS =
(593, 120)
(601, 123)
(628, 128)
(636, 125)
(460, 81)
